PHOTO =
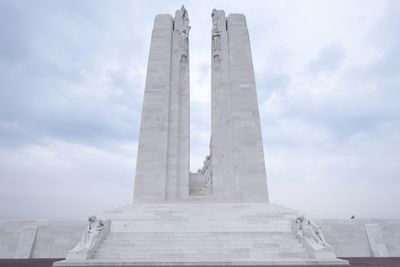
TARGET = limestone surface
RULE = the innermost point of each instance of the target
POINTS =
(235, 168)
(202, 234)
(162, 168)
(220, 215)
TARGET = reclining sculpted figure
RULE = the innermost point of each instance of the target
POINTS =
(311, 232)
(92, 233)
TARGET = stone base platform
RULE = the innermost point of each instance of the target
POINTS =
(202, 234)
(272, 262)
(354, 261)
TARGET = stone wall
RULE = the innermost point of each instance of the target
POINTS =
(53, 239)
(350, 238)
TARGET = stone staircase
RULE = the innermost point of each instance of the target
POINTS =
(199, 245)
(201, 234)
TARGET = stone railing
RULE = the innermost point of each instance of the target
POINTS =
(96, 231)
(312, 238)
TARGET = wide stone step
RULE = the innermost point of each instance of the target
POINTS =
(224, 219)
(210, 216)
(220, 228)
(191, 241)
(200, 245)
(251, 234)
(265, 220)
(261, 261)
(193, 235)
(205, 250)
(170, 230)
(180, 256)
(233, 222)
(215, 212)
(202, 205)
(200, 234)
(199, 240)
(203, 241)
(194, 239)
(194, 209)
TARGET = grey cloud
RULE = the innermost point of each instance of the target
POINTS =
(71, 88)
(13, 46)
(339, 132)
(328, 59)
(271, 82)
(49, 54)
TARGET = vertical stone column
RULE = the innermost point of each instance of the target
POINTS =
(224, 184)
(162, 170)
(177, 183)
(236, 142)
(151, 166)
(249, 164)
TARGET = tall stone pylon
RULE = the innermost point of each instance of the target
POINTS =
(235, 169)
(238, 166)
(162, 168)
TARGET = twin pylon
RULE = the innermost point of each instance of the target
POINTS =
(234, 171)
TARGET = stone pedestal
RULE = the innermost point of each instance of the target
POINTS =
(202, 234)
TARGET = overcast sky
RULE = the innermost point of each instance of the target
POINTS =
(72, 78)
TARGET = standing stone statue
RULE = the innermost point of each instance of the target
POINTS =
(216, 34)
(214, 16)
(184, 30)
(185, 16)
(183, 42)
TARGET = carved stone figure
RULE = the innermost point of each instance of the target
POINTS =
(92, 233)
(216, 34)
(185, 16)
(311, 231)
(217, 61)
(207, 175)
(183, 31)
(214, 17)
(183, 42)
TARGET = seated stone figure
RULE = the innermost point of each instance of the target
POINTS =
(92, 233)
(311, 232)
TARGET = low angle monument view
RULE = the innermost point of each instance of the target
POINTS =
(220, 214)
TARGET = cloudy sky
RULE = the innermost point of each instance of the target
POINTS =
(72, 77)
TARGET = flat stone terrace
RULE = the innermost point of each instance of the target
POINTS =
(354, 261)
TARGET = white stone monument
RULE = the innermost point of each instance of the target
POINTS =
(237, 158)
(221, 214)
(162, 169)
